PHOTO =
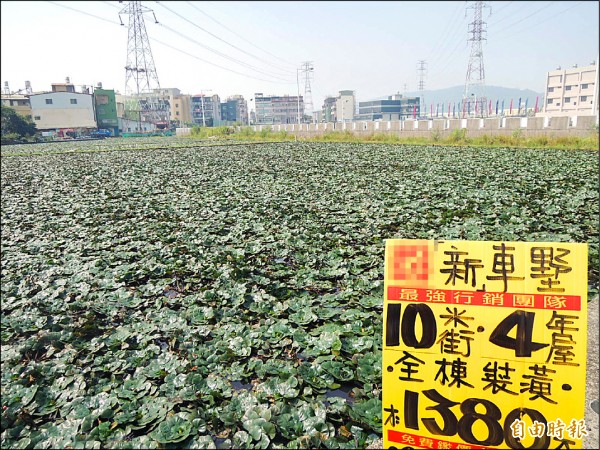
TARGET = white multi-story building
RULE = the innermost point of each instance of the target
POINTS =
(345, 106)
(61, 110)
(278, 109)
(572, 92)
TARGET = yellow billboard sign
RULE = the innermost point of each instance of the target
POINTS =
(484, 344)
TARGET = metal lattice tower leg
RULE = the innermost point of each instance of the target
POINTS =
(141, 78)
(422, 71)
(307, 69)
(475, 80)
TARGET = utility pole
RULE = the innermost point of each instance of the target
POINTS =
(140, 71)
(202, 103)
(422, 71)
(307, 69)
(475, 79)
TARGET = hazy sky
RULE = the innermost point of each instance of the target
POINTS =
(246, 47)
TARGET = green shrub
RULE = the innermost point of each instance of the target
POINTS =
(458, 135)
(246, 132)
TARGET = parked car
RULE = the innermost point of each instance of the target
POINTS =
(101, 133)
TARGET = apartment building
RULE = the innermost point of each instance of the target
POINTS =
(572, 92)
(206, 110)
(181, 109)
(328, 109)
(274, 109)
(19, 102)
(180, 105)
(234, 109)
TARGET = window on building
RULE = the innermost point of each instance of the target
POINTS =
(550, 101)
(558, 104)
(567, 99)
(584, 86)
(73, 101)
(48, 101)
(37, 118)
(568, 88)
(583, 98)
(177, 113)
(550, 89)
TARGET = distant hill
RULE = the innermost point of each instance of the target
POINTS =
(455, 94)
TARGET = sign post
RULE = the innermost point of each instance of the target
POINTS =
(484, 344)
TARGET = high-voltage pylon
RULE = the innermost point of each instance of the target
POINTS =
(475, 99)
(141, 79)
(422, 71)
(307, 70)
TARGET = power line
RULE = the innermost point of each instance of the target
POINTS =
(238, 35)
(86, 13)
(524, 18)
(177, 49)
(448, 42)
(503, 7)
(217, 65)
(223, 55)
(449, 59)
(573, 5)
(112, 4)
(217, 37)
(450, 21)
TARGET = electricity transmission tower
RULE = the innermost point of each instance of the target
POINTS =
(141, 79)
(422, 70)
(475, 80)
(307, 70)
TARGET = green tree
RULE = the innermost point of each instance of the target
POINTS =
(14, 123)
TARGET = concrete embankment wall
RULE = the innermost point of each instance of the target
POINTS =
(576, 126)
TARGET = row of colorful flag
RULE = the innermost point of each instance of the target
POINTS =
(465, 107)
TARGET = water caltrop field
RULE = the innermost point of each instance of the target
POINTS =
(164, 293)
